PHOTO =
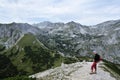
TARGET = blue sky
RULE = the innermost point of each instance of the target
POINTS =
(86, 12)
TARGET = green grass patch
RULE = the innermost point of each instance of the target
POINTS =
(19, 78)
(2, 47)
(69, 60)
(82, 58)
(113, 67)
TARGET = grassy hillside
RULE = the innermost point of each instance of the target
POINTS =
(31, 56)
(114, 69)
(2, 47)
(6, 67)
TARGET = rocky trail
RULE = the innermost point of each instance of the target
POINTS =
(75, 71)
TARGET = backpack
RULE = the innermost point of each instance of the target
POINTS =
(97, 58)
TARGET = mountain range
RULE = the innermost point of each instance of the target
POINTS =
(37, 47)
(75, 39)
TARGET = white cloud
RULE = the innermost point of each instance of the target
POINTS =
(83, 11)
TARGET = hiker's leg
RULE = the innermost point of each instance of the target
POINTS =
(93, 65)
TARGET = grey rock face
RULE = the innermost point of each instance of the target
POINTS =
(10, 33)
(76, 39)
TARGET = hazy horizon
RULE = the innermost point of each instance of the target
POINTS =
(85, 12)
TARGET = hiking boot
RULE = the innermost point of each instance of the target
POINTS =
(95, 72)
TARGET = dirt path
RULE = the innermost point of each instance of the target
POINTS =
(75, 71)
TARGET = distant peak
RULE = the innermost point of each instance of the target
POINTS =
(46, 22)
(71, 22)
(109, 22)
(14, 23)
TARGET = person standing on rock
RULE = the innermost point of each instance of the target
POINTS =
(97, 58)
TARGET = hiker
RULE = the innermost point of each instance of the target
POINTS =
(96, 60)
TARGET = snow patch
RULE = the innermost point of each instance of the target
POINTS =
(117, 29)
(82, 31)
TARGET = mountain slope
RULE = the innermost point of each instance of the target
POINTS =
(76, 39)
(6, 67)
(30, 56)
